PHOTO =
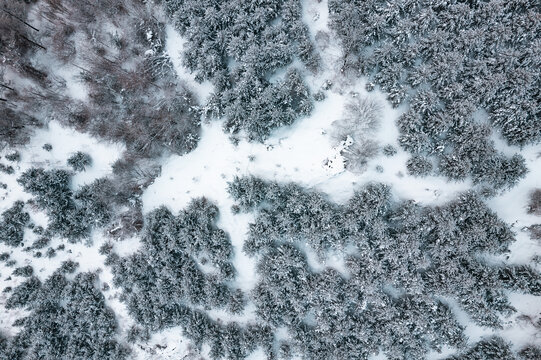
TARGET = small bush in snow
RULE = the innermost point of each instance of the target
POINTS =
(534, 207)
(389, 150)
(7, 169)
(11, 263)
(50, 252)
(419, 165)
(80, 161)
(25, 271)
(14, 156)
(41, 243)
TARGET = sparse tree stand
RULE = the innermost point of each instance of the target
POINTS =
(25, 23)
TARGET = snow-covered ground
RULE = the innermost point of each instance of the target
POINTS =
(303, 153)
(300, 153)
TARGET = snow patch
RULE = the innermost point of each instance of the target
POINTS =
(336, 163)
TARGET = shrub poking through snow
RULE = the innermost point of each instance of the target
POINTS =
(80, 161)
(534, 207)
(14, 156)
(419, 165)
(389, 150)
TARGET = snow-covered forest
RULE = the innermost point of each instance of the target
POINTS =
(270, 179)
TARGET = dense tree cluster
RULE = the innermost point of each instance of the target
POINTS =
(184, 266)
(404, 263)
(496, 348)
(454, 61)
(239, 45)
(14, 221)
(71, 214)
(112, 202)
(68, 319)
